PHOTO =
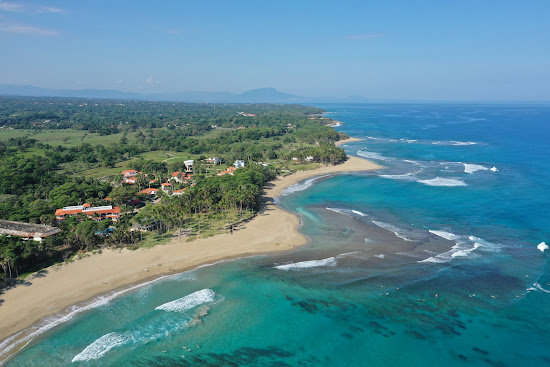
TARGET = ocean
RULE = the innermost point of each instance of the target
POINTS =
(430, 261)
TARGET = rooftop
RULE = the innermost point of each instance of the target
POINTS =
(26, 229)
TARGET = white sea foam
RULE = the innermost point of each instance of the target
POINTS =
(331, 262)
(494, 169)
(464, 246)
(51, 322)
(440, 181)
(405, 177)
(463, 143)
(397, 231)
(460, 249)
(383, 139)
(101, 346)
(348, 212)
(446, 235)
(301, 186)
(542, 246)
(539, 288)
(373, 155)
(380, 256)
(188, 302)
(471, 168)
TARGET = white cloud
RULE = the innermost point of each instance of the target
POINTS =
(8, 6)
(26, 8)
(49, 9)
(27, 29)
(151, 82)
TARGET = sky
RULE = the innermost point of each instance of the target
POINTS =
(401, 50)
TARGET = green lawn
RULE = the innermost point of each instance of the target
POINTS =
(64, 137)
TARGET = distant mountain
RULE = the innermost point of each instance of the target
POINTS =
(269, 95)
(31, 91)
(260, 95)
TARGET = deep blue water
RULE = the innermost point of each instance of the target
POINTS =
(430, 261)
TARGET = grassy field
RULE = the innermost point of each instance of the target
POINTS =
(64, 137)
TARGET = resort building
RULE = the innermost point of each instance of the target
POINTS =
(228, 171)
(179, 192)
(150, 191)
(97, 213)
(189, 166)
(239, 163)
(130, 173)
(214, 160)
(166, 186)
(29, 231)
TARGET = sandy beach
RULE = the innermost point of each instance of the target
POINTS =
(345, 141)
(61, 286)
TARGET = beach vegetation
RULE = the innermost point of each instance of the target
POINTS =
(58, 152)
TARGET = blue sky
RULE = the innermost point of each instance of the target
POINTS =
(422, 50)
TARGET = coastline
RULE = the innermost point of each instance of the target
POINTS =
(345, 141)
(272, 230)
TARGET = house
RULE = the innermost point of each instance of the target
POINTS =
(130, 180)
(177, 176)
(189, 165)
(129, 173)
(228, 171)
(214, 160)
(166, 186)
(150, 192)
(239, 163)
(29, 231)
(179, 192)
(97, 213)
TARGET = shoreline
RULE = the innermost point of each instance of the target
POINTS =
(348, 140)
(273, 230)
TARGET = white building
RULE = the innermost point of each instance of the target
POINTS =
(239, 164)
(189, 165)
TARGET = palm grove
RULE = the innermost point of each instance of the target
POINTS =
(37, 177)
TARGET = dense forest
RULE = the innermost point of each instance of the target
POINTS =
(37, 177)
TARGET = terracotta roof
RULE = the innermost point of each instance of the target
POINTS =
(166, 184)
(148, 191)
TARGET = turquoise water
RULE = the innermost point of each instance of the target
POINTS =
(431, 261)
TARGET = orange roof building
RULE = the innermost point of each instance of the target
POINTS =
(149, 191)
(97, 213)
(130, 172)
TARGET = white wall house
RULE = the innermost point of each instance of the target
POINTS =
(239, 163)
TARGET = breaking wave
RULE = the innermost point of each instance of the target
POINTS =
(537, 287)
(101, 346)
(188, 302)
(373, 155)
(301, 186)
(159, 328)
(51, 322)
(433, 142)
(471, 168)
(440, 181)
(331, 262)
(397, 231)
(463, 247)
(348, 212)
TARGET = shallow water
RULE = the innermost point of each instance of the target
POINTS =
(431, 261)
